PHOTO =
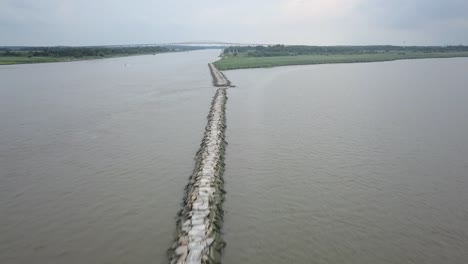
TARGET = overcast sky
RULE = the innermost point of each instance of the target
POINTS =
(315, 22)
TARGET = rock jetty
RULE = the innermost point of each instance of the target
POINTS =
(199, 222)
(219, 79)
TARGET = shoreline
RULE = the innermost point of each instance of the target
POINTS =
(235, 63)
(58, 60)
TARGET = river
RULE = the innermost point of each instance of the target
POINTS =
(94, 156)
(346, 163)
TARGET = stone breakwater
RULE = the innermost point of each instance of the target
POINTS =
(198, 226)
(219, 79)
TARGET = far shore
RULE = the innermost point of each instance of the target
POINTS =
(26, 55)
(34, 60)
(241, 61)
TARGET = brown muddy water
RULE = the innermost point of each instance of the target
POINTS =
(95, 155)
(349, 163)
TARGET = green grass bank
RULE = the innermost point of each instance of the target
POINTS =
(243, 61)
(7, 60)
(19, 55)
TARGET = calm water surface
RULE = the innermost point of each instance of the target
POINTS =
(356, 163)
(351, 163)
(94, 156)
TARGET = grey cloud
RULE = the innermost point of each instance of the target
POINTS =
(413, 14)
(94, 22)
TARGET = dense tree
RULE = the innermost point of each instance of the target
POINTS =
(79, 52)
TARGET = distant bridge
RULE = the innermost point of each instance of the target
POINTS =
(210, 43)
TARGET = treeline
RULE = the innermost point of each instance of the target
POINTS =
(283, 50)
(79, 52)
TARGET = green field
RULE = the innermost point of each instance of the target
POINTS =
(242, 60)
(9, 60)
(20, 54)
(5, 60)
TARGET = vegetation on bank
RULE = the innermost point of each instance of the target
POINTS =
(5, 60)
(15, 55)
(280, 55)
